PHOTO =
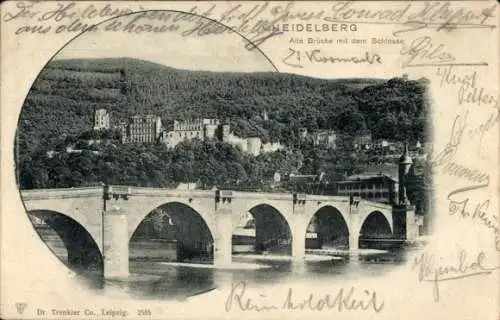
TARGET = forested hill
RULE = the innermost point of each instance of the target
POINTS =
(63, 97)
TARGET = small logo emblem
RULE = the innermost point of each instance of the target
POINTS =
(21, 306)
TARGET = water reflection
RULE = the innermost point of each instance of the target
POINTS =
(169, 281)
(157, 280)
(160, 278)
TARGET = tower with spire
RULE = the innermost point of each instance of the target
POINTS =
(404, 165)
(405, 224)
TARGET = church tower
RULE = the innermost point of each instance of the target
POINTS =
(404, 165)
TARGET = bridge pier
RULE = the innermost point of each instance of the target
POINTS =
(411, 224)
(224, 228)
(405, 225)
(115, 244)
(354, 229)
(298, 247)
(353, 245)
(299, 228)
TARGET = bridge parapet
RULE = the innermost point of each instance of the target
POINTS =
(299, 198)
(162, 192)
(118, 189)
(323, 198)
(354, 205)
(262, 195)
(373, 204)
(62, 193)
(223, 196)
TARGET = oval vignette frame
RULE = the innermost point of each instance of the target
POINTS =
(88, 33)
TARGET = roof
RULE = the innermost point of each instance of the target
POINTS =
(325, 131)
(363, 138)
(303, 177)
(390, 170)
(364, 177)
(405, 159)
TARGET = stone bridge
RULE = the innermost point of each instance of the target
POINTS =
(97, 223)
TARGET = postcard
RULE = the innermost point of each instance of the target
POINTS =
(249, 160)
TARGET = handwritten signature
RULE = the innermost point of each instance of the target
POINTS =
(294, 58)
(257, 21)
(27, 10)
(464, 267)
(483, 128)
(411, 17)
(454, 141)
(423, 52)
(445, 158)
(342, 300)
(459, 208)
(469, 92)
(466, 80)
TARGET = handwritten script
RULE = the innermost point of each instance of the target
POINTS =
(342, 300)
(466, 266)
(460, 208)
(469, 92)
(445, 159)
(257, 21)
(296, 58)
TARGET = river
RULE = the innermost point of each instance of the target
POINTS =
(158, 277)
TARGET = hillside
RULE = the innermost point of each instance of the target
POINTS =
(63, 97)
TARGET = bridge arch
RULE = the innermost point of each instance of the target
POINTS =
(139, 208)
(273, 231)
(176, 225)
(327, 227)
(83, 252)
(375, 225)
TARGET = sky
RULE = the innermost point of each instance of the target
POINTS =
(214, 52)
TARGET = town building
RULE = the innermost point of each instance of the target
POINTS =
(191, 129)
(101, 119)
(394, 184)
(254, 146)
(308, 183)
(321, 138)
(325, 138)
(363, 141)
(251, 145)
(213, 129)
(271, 147)
(383, 187)
(265, 116)
(381, 144)
(141, 129)
(303, 133)
(380, 188)
(388, 145)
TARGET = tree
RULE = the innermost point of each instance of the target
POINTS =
(351, 121)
